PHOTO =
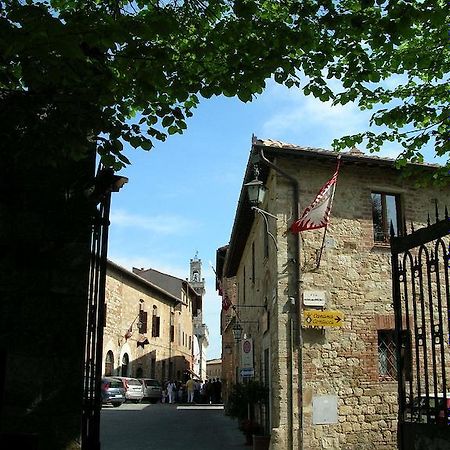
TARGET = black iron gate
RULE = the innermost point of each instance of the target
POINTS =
(421, 294)
(105, 183)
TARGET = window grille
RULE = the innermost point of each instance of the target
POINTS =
(387, 358)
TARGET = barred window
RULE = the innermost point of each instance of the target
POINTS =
(387, 358)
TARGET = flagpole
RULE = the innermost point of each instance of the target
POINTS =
(319, 257)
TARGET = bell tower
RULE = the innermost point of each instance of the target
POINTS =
(196, 280)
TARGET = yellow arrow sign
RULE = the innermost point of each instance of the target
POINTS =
(316, 318)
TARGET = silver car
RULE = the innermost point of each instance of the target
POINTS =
(112, 391)
(152, 389)
(134, 391)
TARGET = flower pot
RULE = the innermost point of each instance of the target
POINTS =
(261, 442)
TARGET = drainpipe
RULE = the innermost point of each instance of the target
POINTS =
(297, 309)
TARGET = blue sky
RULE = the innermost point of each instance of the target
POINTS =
(182, 195)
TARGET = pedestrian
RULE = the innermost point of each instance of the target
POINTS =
(217, 387)
(209, 388)
(171, 391)
(203, 392)
(197, 389)
(180, 392)
(190, 387)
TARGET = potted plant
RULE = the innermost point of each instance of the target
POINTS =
(241, 404)
(249, 428)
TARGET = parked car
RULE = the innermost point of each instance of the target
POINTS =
(112, 391)
(152, 389)
(134, 391)
(435, 405)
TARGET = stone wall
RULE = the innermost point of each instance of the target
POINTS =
(355, 275)
(123, 293)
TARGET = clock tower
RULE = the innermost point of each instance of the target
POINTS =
(196, 280)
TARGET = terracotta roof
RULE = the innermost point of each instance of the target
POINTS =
(353, 154)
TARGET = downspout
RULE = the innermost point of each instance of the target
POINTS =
(297, 309)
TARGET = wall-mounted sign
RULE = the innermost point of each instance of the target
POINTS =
(325, 409)
(314, 298)
(248, 372)
(315, 318)
(247, 353)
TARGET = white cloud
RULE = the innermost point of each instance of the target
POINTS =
(319, 120)
(160, 224)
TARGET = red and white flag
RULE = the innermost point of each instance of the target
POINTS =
(317, 214)
(226, 302)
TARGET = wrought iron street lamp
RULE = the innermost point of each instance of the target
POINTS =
(256, 192)
(237, 332)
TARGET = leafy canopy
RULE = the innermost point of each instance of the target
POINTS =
(78, 72)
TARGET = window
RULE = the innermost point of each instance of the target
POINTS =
(385, 209)
(155, 322)
(142, 324)
(172, 328)
(387, 358)
(253, 263)
(266, 243)
(243, 287)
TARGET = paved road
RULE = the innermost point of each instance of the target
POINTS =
(168, 427)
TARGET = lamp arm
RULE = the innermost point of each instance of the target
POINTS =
(264, 213)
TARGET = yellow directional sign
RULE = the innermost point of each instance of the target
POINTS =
(317, 318)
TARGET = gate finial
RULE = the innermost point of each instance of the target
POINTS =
(436, 210)
(412, 227)
(428, 220)
(446, 212)
(391, 229)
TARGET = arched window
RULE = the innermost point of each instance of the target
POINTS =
(125, 364)
(109, 363)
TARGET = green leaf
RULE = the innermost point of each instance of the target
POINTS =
(146, 144)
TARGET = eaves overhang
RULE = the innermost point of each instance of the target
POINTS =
(113, 267)
(276, 150)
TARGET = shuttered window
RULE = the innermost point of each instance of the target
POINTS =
(142, 321)
(155, 326)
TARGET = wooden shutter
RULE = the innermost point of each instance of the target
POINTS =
(155, 326)
(143, 321)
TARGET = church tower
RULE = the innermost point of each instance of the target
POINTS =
(196, 280)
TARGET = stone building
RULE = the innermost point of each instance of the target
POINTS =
(331, 387)
(214, 369)
(149, 324)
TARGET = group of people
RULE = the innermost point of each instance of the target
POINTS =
(193, 391)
